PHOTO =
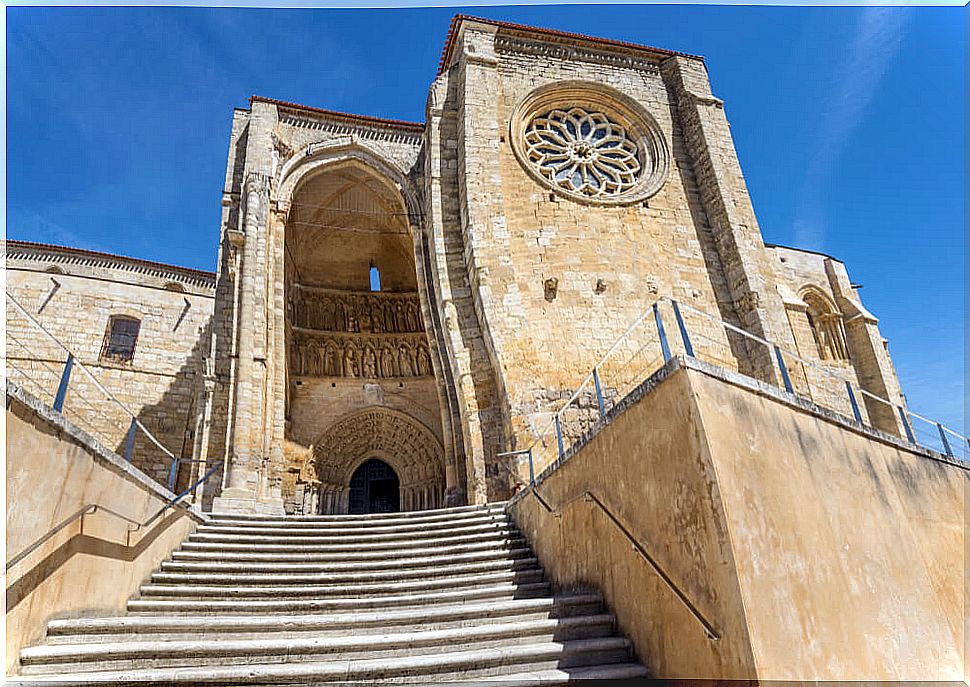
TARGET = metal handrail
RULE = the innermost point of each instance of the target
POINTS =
(72, 360)
(94, 507)
(590, 497)
(593, 376)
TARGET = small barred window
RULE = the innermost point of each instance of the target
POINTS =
(119, 339)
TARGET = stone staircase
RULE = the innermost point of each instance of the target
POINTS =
(452, 595)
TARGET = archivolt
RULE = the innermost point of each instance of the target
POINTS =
(400, 440)
(345, 150)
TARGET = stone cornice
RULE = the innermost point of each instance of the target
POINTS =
(64, 257)
(363, 129)
(510, 44)
(552, 37)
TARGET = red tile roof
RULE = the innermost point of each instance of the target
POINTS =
(458, 18)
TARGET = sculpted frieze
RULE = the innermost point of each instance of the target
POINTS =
(319, 354)
(334, 311)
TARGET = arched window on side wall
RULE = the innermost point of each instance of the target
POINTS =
(826, 325)
(120, 338)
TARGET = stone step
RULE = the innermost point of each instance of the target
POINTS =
(467, 614)
(285, 544)
(242, 535)
(559, 676)
(204, 651)
(291, 605)
(434, 666)
(340, 527)
(456, 513)
(247, 577)
(218, 564)
(268, 552)
(455, 582)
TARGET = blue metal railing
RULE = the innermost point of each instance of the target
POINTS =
(651, 348)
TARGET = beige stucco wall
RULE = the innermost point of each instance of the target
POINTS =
(817, 550)
(52, 472)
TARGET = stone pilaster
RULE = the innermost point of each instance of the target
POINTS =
(245, 487)
(868, 353)
(758, 306)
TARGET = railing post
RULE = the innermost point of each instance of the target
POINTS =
(532, 468)
(946, 443)
(688, 348)
(906, 426)
(62, 386)
(130, 442)
(173, 474)
(855, 406)
(562, 451)
(784, 371)
(599, 393)
(664, 347)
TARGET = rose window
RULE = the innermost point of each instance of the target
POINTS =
(583, 152)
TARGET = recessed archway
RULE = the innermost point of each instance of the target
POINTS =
(350, 345)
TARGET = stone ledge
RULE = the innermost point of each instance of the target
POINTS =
(96, 449)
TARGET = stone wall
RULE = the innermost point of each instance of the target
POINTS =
(811, 282)
(812, 549)
(73, 294)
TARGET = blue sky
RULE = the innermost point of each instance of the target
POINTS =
(848, 123)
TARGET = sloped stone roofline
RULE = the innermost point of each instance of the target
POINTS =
(803, 250)
(66, 255)
(343, 116)
(561, 36)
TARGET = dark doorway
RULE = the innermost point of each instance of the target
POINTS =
(374, 488)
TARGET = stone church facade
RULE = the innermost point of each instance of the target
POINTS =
(559, 185)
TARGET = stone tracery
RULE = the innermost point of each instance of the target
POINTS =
(583, 152)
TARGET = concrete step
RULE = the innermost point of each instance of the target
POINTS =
(450, 514)
(340, 527)
(291, 605)
(203, 651)
(247, 577)
(242, 565)
(455, 582)
(243, 535)
(351, 553)
(433, 666)
(466, 614)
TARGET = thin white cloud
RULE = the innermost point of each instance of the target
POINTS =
(869, 55)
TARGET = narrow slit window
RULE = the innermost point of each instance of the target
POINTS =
(375, 279)
(120, 338)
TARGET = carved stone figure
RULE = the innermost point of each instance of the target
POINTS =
(423, 362)
(412, 317)
(404, 361)
(370, 363)
(329, 362)
(388, 363)
(350, 363)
